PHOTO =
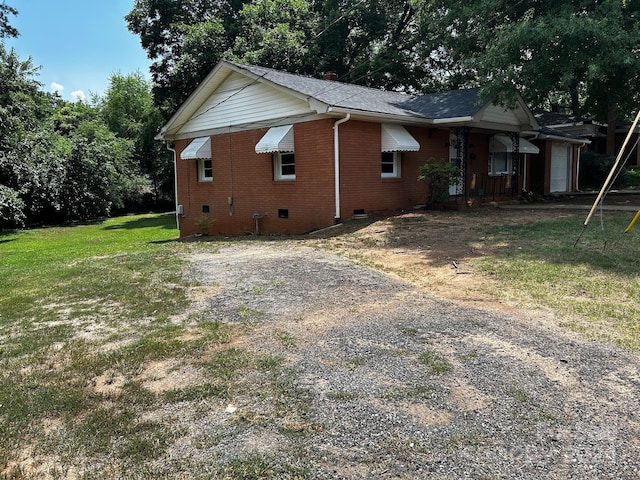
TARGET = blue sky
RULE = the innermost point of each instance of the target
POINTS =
(78, 43)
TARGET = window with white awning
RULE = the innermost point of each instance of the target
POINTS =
(394, 140)
(279, 142)
(277, 139)
(503, 143)
(501, 153)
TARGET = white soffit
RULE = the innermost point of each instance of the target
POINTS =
(396, 139)
(198, 148)
(505, 144)
(277, 139)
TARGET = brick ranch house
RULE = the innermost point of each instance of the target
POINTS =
(260, 150)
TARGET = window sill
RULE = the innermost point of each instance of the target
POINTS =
(391, 179)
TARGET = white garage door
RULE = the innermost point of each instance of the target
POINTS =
(560, 167)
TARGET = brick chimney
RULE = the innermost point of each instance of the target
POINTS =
(329, 75)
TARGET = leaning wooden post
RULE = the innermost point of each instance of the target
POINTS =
(611, 173)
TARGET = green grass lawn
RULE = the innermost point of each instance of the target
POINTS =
(85, 310)
(595, 284)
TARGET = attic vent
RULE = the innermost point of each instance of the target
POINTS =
(330, 76)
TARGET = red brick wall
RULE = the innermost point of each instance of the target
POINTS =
(248, 177)
(363, 188)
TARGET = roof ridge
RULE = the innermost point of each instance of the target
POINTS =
(248, 66)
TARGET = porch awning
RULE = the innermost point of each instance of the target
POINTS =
(505, 144)
(396, 139)
(277, 139)
(198, 148)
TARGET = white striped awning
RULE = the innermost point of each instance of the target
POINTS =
(277, 139)
(505, 144)
(396, 139)
(198, 148)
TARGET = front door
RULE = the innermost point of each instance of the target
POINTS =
(560, 168)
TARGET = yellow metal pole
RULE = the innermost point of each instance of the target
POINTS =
(613, 169)
(633, 222)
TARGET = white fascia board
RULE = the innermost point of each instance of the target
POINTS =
(364, 115)
(318, 106)
(250, 126)
(533, 122)
(454, 120)
(531, 135)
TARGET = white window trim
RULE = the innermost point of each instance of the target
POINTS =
(397, 169)
(277, 166)
(202, 170)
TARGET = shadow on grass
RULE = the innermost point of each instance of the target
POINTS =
(5, 240)
(165, 221)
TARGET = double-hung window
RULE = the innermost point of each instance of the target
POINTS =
(205, 170)
(499, 163)
(391, 162)
(284, 166)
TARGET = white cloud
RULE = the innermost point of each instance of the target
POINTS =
(79, 95)
(56, 87)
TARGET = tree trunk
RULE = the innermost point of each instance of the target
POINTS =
(612, 117)
(575, 98)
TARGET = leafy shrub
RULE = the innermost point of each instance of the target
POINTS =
(438, 175)
(595, 167)
(11, 208)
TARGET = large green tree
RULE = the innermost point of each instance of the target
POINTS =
(59, 161)
(582, 53)
(22, 109)
(370, 42)
(128, 110)
(184, 38)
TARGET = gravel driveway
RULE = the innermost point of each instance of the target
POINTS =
(405, 385)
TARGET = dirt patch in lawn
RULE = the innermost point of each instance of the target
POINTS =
(432, 250)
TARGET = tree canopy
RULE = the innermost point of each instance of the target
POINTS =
(6, 30)
(370, 42)
(582, 54)
(63, 161)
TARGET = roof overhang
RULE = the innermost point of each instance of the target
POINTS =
(560, 138)
(198, 148)
(395, 138)
(505, 144)
(172, 129)
(277, 139)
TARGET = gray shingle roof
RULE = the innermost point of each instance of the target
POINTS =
(444, 105)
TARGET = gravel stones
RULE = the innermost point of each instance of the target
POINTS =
(523, 399)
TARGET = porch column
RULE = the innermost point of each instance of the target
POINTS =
(462, 145)
(515, 159)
